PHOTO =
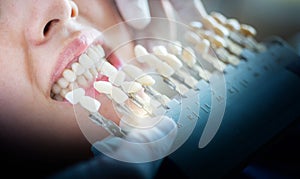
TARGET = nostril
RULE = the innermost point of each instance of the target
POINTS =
(49, 25)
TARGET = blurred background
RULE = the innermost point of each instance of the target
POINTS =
(269, 17)
(280, 158)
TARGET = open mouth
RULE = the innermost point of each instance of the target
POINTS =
(91, 65)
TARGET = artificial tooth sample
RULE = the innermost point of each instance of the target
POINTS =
(137, 74)
(233, 25)
(160, 50)
(188, 56)
(119, 78)
(171, 60)
(192, 37)
(175, 48)
(131, 87)
(74, 96)
(103, 87)
(247, 30)
(219, 17)
(90, 104)
(69, 75)
(118, 95)
(140, 51)
(203, 47)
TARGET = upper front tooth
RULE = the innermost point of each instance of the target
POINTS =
(93, 55)
(78, 69)
(90, 104)
(88, 75)
(99, 50)
(103, 87)
(69, 75)
(108, 70)
(131, 87)
(85, 61)
(74, 96)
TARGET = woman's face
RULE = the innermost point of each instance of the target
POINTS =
(38, 40)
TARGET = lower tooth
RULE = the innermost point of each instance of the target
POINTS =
(56, 89)
(78, 69)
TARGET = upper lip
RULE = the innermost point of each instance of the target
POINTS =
(75, 46)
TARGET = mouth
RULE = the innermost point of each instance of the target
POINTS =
(93, 62)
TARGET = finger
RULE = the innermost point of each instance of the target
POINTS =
(135, 12)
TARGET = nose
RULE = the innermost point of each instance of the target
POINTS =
(46, 16)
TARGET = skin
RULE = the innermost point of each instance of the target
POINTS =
(34, 126)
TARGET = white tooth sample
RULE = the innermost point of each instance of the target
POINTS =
(108, 70)
(118, 95)
(203, 46)
(78, 69)
(88, 75)
(131, 87)
(175, 48)
(196, 25)
(140, 52)
(93, 55)
(82, 81)
(221, 30)
(146, 80)
(247, 30)
(119, 78)
(188, 79)
(93, 71)
(218, 41)
(188, 56)
(56, 89)
(209, 22)
(69, 75)
(132, 71)
(103, 87)
(192, 37)
(233, 24)
(63, 83)
(165, 70)
(74, 96)
(204, 74)
(171, 60)
(159, 50)
(85, 61)
(219, 17)
(100, 51)
(90, 104)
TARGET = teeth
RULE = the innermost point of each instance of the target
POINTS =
(192, 37)
(247, 30)
(74, 96)
(108, 70)
(221, 30)
(175, 48)
(188, 56)
(69, 75)
(203, 47)
(82, 81)
(56, 89)
(195, 25)
(233, 24)
(118, 95)
(219, 17)
(146, 80)
(63, 83)
(78, 69)
(88, 75)
(140, 51)
(165, 70)
(103, 87)
(132, 71)
(90, 104)
(131, 87)
(93, 71)
(85, 61)
(119, 78)
(63, 92)
(160, 50)
(171, 60)
(100, 51)
(218, 41)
